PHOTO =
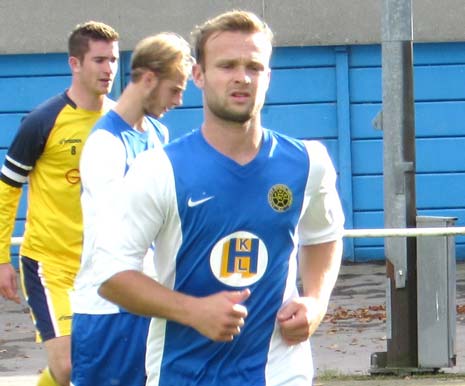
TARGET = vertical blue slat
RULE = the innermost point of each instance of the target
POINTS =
(345, 159)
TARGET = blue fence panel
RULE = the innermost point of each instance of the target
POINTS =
(310, 121)
(433, 119)
(423, 54)
(439, 117)
(367, 157)
(34, 65)
(9, 124)
(302, 86)
(433, 155)
(361, 120)
(301, 57)
(29, 92)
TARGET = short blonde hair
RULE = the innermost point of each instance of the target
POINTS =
(167, 54)
(232, 21)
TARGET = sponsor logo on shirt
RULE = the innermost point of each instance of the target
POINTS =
(192, 203)
(70, 140)
(239, 259)
(73, 176)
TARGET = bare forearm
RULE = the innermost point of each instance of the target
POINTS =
(142, 295)
(218, 316)
(319, 268)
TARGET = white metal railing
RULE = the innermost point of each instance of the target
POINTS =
(384, 232)
(405, 232)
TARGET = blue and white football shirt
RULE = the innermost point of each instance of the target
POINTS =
(217, 226)
(107, 154)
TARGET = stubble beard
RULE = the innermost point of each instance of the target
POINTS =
(229, 115)
(151, 104)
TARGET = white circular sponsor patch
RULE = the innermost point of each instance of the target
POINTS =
(239, 259)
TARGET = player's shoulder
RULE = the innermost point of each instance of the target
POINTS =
(109, 123)
(314, 150)
(149, 157)
(46, 113)
(283, 140)
(160, 130)
(315, 147)
(311, 145)
(150, 165)
(50, 107)
(186, 140)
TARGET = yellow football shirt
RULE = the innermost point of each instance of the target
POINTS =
(45, 153)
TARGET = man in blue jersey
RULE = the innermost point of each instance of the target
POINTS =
(235, 211)
(108, 343)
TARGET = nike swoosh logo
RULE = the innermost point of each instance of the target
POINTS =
(191, 203)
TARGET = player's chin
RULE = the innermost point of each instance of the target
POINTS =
(102, 91)
(105, 87)
(153, 114)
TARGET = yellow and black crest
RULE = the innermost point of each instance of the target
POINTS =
(280, 197)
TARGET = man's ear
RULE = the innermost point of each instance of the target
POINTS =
(150, 79)
(74, 64)
(198, 75)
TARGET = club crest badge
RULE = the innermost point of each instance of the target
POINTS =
(280, 197)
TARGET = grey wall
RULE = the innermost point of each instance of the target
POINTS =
(31, 26)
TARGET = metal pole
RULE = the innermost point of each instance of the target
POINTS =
(399, 185)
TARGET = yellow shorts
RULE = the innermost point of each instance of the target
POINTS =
(46, 289)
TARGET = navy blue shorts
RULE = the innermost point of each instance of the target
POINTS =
(108, 350)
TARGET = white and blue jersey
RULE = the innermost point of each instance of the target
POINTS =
(217, 226)
(107, 343)
(109, 151)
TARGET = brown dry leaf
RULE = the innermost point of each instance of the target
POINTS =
(364, 314)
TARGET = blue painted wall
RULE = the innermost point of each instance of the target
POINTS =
(326, 93)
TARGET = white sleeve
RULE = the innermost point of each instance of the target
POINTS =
(323, 218)
(135, 222)
(102, 166)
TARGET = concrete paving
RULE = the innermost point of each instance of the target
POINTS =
(354, 328)
(342, 346)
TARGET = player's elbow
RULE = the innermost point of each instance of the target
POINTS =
(108, 289)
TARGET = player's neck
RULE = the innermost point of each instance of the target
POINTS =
(86, 100)
(240, 142)
(129, 108)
